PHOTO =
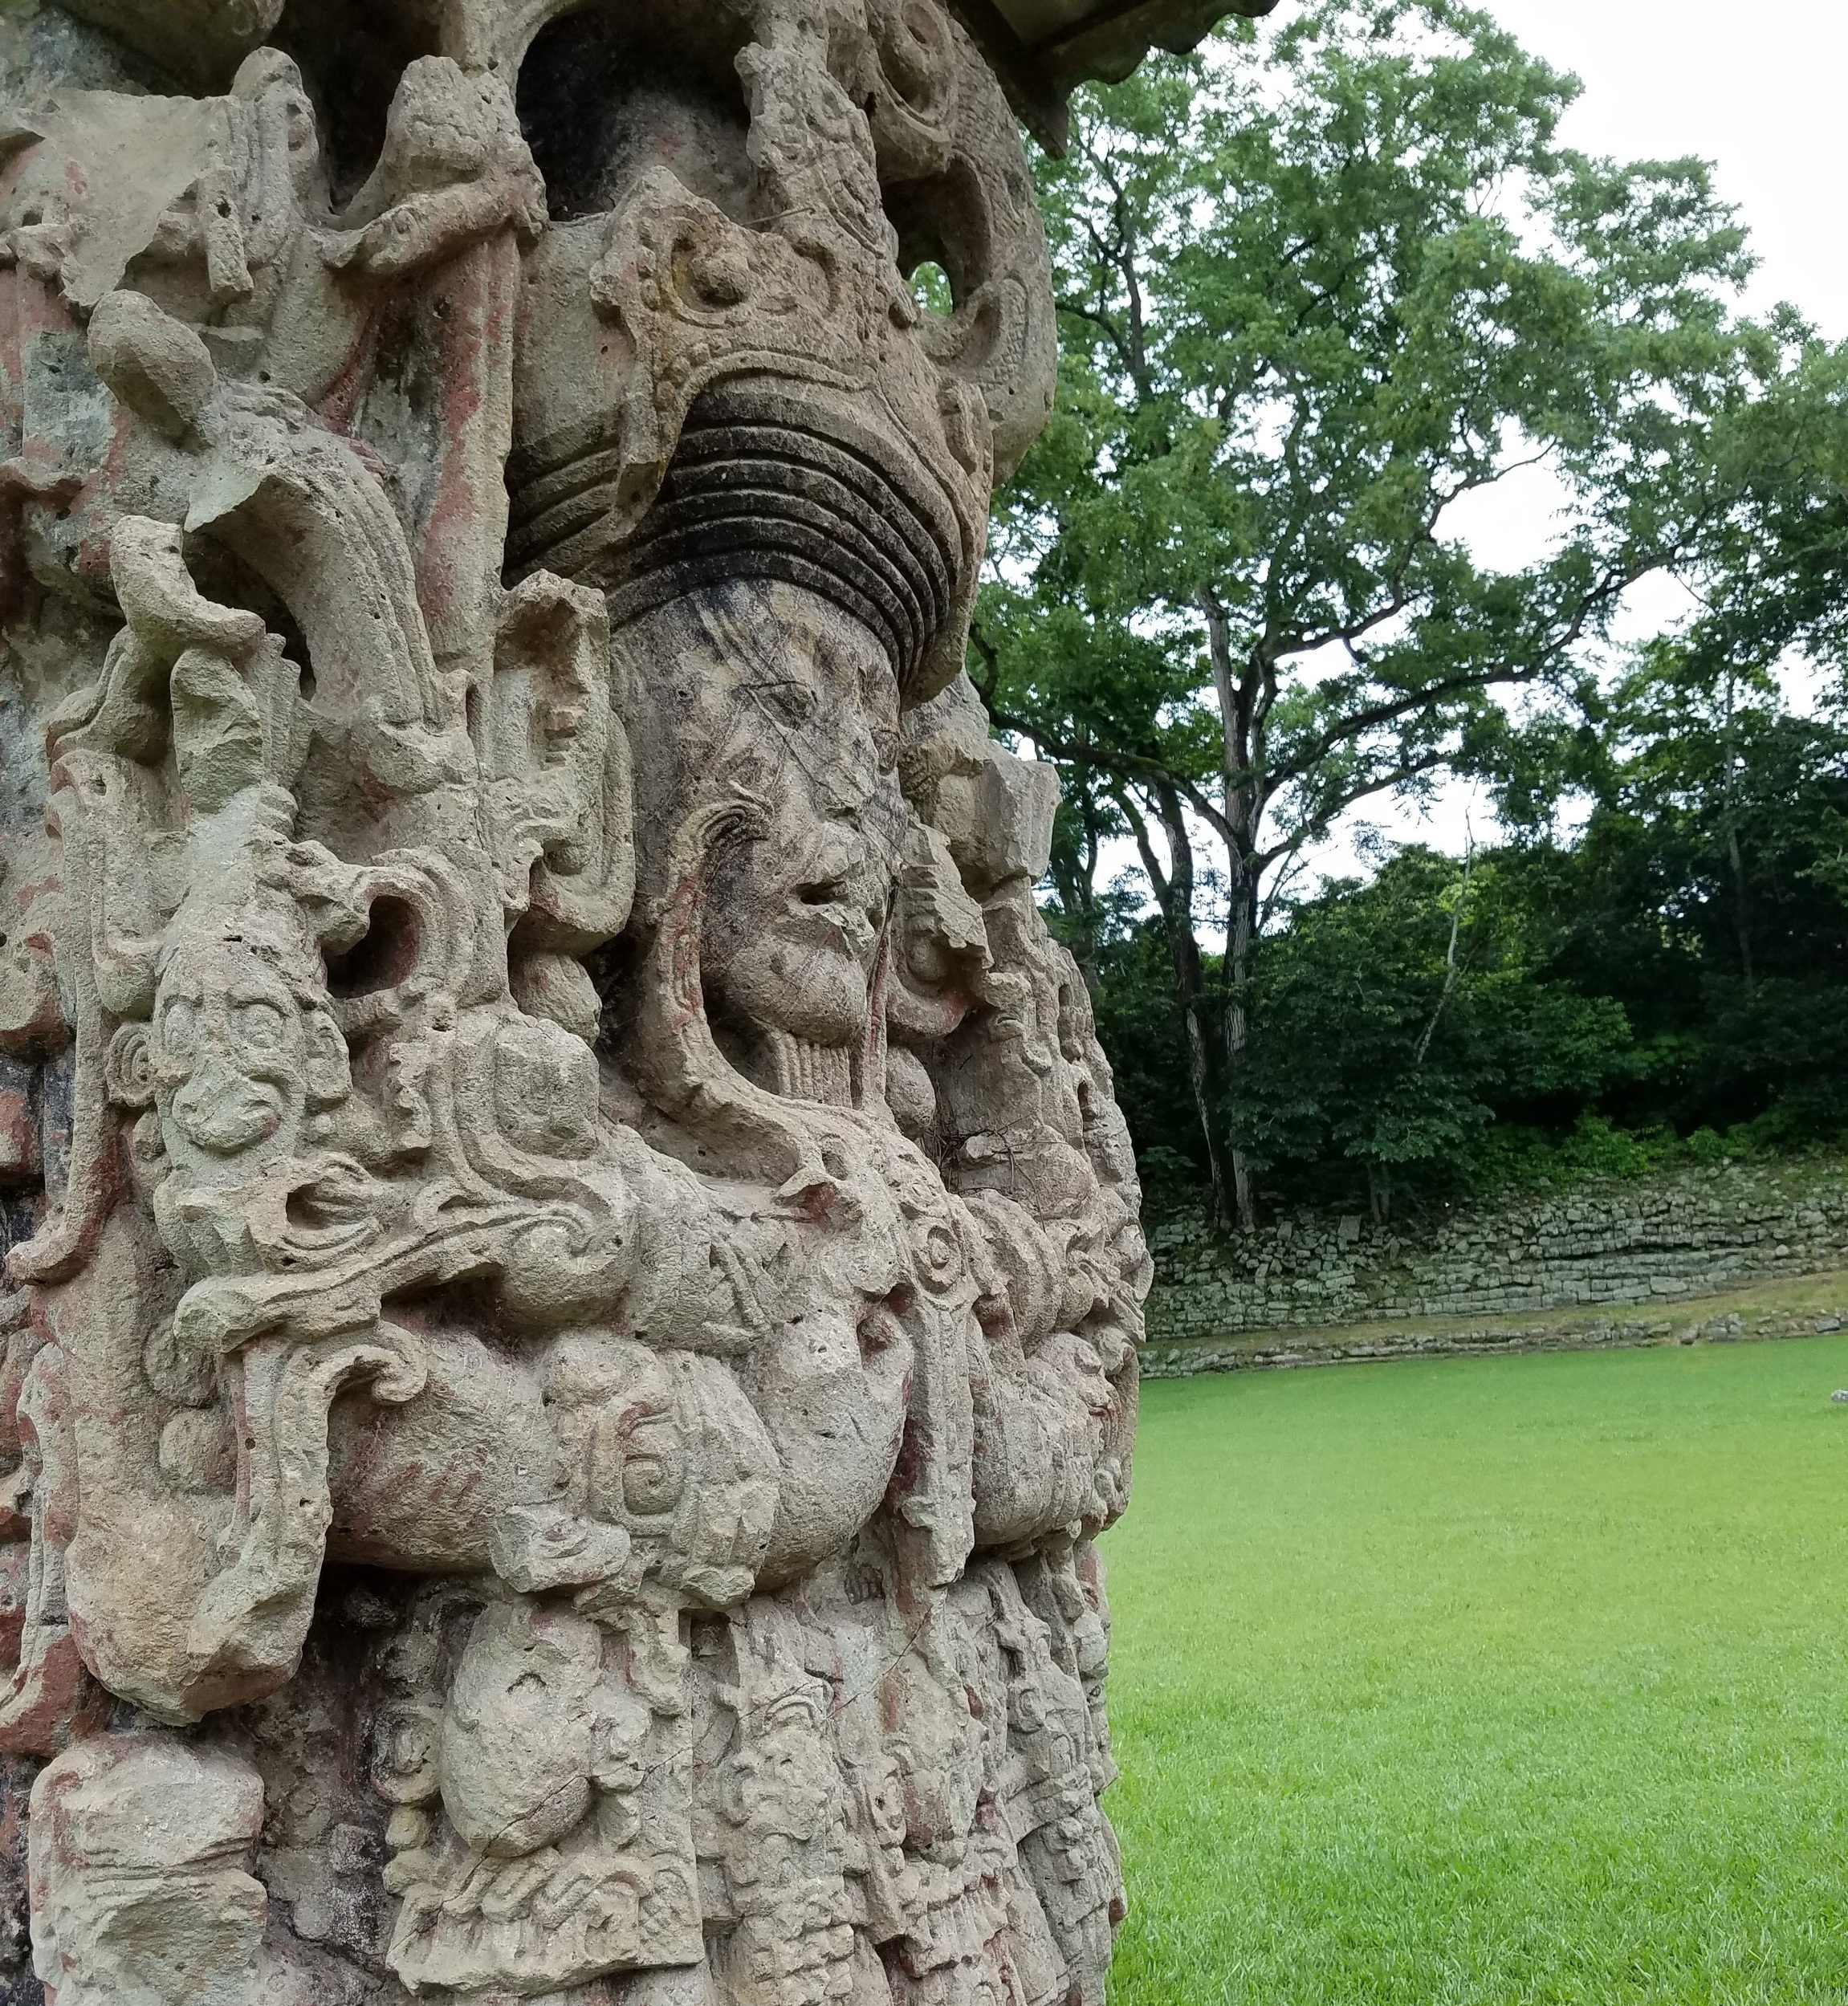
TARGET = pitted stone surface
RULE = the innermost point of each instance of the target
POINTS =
(575, 1274)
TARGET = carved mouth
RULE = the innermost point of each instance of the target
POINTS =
(234, 1115)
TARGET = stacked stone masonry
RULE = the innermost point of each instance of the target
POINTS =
(1656, 1241)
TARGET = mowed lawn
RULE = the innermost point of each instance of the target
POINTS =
(1487, 1681)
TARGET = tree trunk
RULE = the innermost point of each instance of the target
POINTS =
(1242, 695)
(1735, 856)
(1185, 951)
(1241, 931)
(1078, 900)
(1174, 890)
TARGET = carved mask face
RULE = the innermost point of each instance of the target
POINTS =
(787, 1787)
(766, 694)
(230, 1047)
(545, 1089)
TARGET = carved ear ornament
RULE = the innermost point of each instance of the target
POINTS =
(129, 1068)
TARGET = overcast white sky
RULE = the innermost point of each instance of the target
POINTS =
(1757, 90)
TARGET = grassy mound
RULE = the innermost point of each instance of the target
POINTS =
(1489, 1681)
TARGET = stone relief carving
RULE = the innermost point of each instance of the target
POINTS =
(574, 1279)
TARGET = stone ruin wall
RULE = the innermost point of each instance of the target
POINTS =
(1607, 1245)
(574, 1277)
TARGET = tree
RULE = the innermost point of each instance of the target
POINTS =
(1708, 892)
(1773, 563)
(1398, 1018)
(1317, 287)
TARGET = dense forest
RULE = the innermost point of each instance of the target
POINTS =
(1323, 288)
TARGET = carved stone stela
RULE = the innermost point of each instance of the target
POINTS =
(574, 1271)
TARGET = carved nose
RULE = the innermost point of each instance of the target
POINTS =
(222, 1111)
(850, 779)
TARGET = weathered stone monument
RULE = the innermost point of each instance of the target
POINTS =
(575, 1274)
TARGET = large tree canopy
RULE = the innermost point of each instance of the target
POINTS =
(1319, 286)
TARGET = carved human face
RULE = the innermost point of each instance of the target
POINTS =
(766, 694)
(785, 1784)
(230, 1048)
(142, 1891)
(239, 1061)
(545, 1089)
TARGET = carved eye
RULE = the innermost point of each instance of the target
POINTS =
(261, 1029)
(793, 703)
(650, 1484)
(180, 1031)
(880, 700)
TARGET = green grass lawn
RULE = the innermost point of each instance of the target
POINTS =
(1489, 1681)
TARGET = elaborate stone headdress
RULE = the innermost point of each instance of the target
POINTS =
(768, 484)
(765, 399)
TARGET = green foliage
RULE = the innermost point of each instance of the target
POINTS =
(1480, 1682)
(930, 283)
(1707, 897)
(1518, 1156)
(1139, 1025)
(1317, 287)
(1396, 1019)
(1774, 571)
(1669, 986)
